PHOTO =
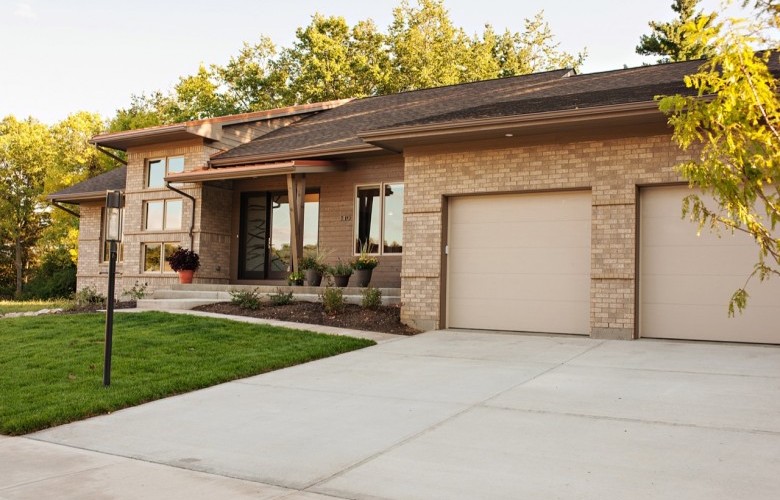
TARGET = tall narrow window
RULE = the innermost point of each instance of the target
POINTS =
(158, 168)
(379, 219)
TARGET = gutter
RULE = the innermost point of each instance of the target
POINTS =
(110, 154)
(285, 156)
(192, 218)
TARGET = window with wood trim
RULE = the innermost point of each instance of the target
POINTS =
(154, 255)
(162, 215)
(158, 168)
(379, 219)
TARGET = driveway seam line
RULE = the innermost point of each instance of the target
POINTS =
(442, 422)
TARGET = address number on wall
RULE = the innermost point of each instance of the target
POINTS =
(346, 218)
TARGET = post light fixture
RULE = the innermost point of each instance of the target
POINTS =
(115, 200)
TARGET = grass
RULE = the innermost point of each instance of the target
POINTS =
(52, 366)
(7, 306)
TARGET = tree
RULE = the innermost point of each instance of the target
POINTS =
(734, 123)
(25, 151)
(671, 40)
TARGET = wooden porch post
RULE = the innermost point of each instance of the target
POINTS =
(296, 194)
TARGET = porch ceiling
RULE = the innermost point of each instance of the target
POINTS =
(258, 170)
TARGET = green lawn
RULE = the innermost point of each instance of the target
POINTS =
(51, 367)
(7, 306)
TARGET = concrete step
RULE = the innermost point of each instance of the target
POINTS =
(191, 294)
(266, 289)
(173, 304)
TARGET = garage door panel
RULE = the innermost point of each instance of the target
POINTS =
(683, 322)
(513, 315)
(721, 260)
(535, 234)
(556, 288)
(520, 262)
(686, 281)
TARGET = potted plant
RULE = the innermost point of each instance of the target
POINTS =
(341, 273)
(364, 265)
(295, 278)
(312, 269)
(185, 262)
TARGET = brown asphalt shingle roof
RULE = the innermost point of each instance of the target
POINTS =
(536, 93)
(338, 128)
(113, 179)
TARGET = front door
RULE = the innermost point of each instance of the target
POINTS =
(264, 238)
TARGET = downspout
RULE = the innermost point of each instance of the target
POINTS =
(66, 209)
(192, 219)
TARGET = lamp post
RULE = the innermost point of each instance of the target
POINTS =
(113, 231)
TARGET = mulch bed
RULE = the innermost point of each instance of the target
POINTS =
(386, 319)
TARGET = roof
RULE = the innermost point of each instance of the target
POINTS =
(209, 128)
(337, 130)
(94, 188)
(351, 127)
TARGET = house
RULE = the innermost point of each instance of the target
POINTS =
(545, 203)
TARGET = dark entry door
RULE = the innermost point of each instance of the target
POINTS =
(253, 238)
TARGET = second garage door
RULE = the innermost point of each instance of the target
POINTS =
(520, 262)
(687, 280)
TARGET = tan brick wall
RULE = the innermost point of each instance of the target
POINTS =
(611, 169)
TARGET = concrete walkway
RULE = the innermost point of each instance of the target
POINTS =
(441, 415)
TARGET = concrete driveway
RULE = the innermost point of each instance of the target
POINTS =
(473, 415)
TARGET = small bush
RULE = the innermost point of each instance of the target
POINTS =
(281, 299)
(137, 291)
(333, 300)
(245, 299)
(88, 296)
(372, 297)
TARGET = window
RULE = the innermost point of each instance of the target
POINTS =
(163, 215)
(105, 245)
(152, 261)
(157, 169)
(379, 218)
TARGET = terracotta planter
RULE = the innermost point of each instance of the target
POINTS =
(185, 276)
(313, 277)
(341, 281)
(363, 277)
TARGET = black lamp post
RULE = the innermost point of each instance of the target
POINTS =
(113, 231)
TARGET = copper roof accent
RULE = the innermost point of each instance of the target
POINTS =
(208, 128)
(256, 170)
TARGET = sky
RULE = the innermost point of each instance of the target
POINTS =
(59, 57)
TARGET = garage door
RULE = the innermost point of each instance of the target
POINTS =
(520, 262)
(686, 281)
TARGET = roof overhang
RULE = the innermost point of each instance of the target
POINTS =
(77, 198)
(633, 114)
(209, 128)
(257, 170)
(307, 153)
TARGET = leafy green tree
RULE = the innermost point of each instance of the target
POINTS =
(144, 111)
(733, 123)
(25, 152)
(427, 49)
(671, 40)
(251, 81)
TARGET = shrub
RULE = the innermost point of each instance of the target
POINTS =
(183, 259)
(281, 299)
(246, 299)
(137, 291)
(341, 269)
(87, 296)
(296, 278)
(55, 278)
(333, 300)
(372, 297)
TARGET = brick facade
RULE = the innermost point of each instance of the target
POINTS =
(611, 169)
